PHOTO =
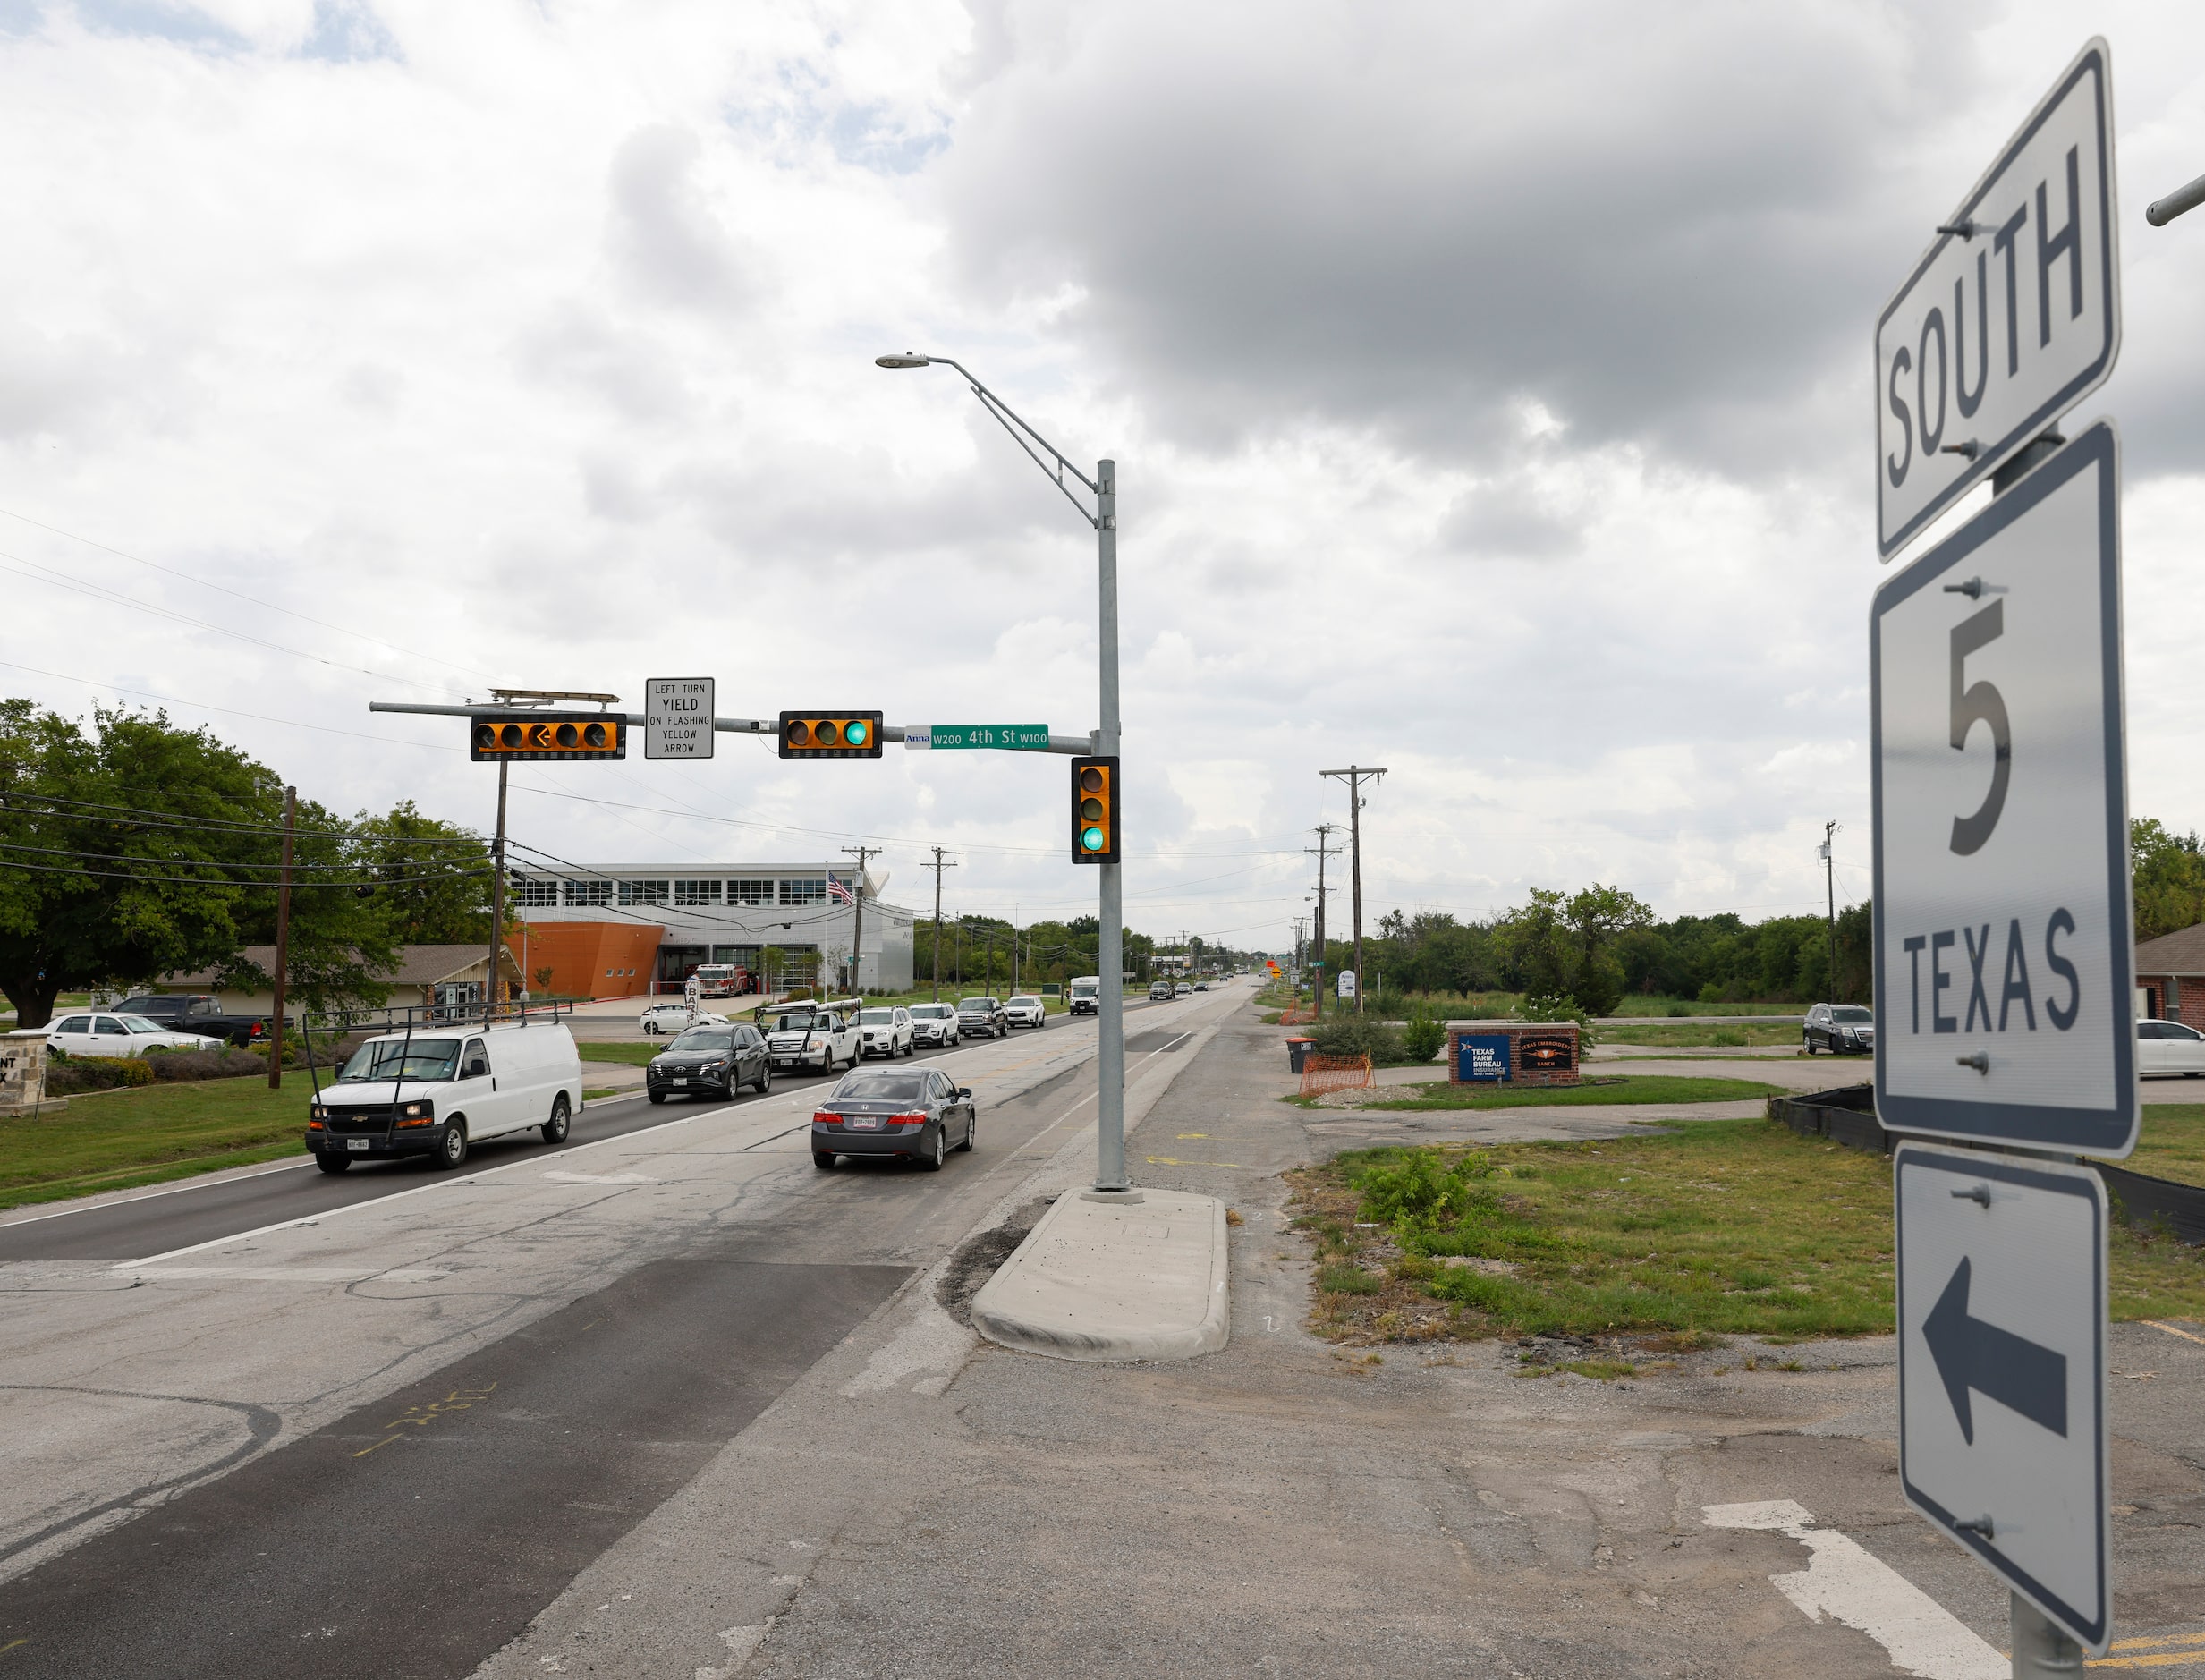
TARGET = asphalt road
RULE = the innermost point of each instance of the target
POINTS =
(163, 1221)
(417, 1533)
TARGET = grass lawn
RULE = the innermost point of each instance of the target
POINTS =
(115, 1139)
(1725, 1227)
(635, 1055)
(1613, 1088)
(1684, 1032)
(2171, 1144)
(1639, 1003)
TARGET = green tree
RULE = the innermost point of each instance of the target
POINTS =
(1598, 917)
(2168, 875)
(428, 881)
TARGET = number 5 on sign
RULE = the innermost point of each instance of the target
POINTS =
(2003, 968)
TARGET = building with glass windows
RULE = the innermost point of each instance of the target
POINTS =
(633, 930)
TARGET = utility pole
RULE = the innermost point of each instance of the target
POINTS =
(1354, 775)
(1323, 849)
(857, 920)
(938, 866)
(1829, 882)
(282, 941)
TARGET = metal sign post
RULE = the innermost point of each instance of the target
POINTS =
(2010, 317)
(678, 717)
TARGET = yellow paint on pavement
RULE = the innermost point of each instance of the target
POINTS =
(364, 1451)
(1167, 1160)
(2187, 1335)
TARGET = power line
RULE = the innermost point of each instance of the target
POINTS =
(227, 711)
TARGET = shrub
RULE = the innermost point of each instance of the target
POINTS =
(1424, 1035)
(223, 1064)
(1360, 1035)
(1413, 1190)
(66, 1075)
(1561, 1009)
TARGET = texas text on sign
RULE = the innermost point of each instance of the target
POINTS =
(2003, 946)
(2009, 321)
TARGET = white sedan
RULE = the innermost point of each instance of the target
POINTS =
(2168, 1047)
(120, 1035)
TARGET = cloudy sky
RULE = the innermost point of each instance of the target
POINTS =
(1489, 387)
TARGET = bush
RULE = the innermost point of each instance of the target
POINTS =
(1412, 1191)
(223, 1064)
(1561, 1009)
(1360, 1035)
(67, 1075)
(1422, 1038)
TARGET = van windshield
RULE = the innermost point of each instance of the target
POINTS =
(393, 1058)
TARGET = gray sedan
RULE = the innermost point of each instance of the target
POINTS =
(912, 1112)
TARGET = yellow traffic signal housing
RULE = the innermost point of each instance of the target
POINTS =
(830, 735)
(536, 736)
(1094, 810)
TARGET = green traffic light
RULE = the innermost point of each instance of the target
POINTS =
(854, 733)
(1092, 838)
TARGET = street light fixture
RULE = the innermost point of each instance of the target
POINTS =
(1110, 1179)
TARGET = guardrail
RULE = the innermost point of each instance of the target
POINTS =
(1847, 1115)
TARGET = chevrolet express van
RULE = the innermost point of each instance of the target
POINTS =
(439, 1091)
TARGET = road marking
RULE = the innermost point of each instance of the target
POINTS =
(285, 1274)
(364, 1451)
(600, 1178)
(205, 1182)
(1167, 1160)
(2187, 1335)
(2155, 1639)
(1848, 1583)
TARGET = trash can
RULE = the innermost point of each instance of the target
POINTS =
(1298, 1051)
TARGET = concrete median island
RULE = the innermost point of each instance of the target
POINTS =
(1114, 1280)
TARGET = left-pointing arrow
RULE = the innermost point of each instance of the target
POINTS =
(2016, 1372)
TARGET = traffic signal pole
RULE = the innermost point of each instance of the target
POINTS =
(1110, 952)
(497, 897)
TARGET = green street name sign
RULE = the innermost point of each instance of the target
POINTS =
(957, 737)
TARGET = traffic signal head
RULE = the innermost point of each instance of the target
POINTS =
(1095, 810)
(830, 735)
(536, 735)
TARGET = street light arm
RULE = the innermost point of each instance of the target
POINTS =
(2161, 211)
(1012, 422)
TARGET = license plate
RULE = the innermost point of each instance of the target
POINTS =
(862, 1122)
(681, 1082)
(357, 1143)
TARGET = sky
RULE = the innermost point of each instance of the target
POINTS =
(1489, 387)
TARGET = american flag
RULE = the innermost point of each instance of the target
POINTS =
(839, 893)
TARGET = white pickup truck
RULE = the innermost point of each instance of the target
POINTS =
(811, 1036)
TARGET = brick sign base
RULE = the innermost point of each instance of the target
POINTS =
(1539, 1052)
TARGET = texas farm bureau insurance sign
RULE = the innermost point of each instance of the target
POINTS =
(2011, 317)
(2003, 955)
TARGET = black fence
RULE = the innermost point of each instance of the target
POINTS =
(1847, 1115)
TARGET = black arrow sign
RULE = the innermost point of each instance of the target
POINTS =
(1970, 1353)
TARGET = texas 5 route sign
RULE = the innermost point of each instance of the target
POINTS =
(2002, 1369)
(2011, 317)
(2003, 959)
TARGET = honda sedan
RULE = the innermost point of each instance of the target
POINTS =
(913, 1112)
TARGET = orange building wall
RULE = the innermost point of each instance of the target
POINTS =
(590, 959)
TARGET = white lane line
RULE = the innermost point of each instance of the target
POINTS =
(189, 1183)
(1848, 1583)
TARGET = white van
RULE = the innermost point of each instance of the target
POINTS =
(440, 1089)
(1086, 995)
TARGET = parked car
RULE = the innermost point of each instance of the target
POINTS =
(201, 1013)
(886, 1032)
(976, 1016)
(935, 1025)
(912, 1112)
(713, 1058)
(804, 1036)
(674, 1017)
(104, 1033)
(1026, 1010)
(2168, 1047)
(1160, 991)
(439, 1094)
(1841, 1029)
(1085, 995)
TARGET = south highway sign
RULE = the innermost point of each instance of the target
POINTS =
(2002, 947)
(2010, 317)
(2002, 1369)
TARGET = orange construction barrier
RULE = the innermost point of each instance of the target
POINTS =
(1291, 1016)
(1321, 1074)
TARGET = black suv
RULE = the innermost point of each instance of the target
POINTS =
(710, 1059)
(976, 1016)
(1841, 1029)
